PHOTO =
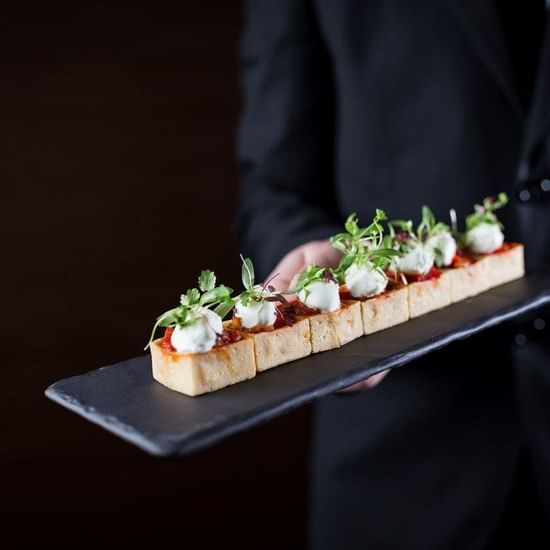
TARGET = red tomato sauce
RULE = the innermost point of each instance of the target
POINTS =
(228, 336)
(505, 247)
(166, 343)
(460, 259)
(434, 273)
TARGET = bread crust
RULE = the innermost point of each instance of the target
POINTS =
(503, 267)
(323, 332)
(426, 296)
(465, 281)
(275, 347)
(385, 310)
(334, 329)
(348, 322)
(199, 373)
(486, 272)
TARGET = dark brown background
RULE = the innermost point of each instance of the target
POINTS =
(117, 124)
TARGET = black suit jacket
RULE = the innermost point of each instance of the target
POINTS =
(356, 104)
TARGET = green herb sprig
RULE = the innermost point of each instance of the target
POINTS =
(208, 295)
(253, 293)
(312, 274)
(429, 226)
(362, 246)
(485, 213)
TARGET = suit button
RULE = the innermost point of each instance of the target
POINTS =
(520, 339)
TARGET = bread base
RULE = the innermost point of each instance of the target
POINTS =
(466, 281)
(385, 311)
(485, 272)
(273, 348)
(426, 296)
(199, 373)
(334, 329)
(348, 322)
(503, 267)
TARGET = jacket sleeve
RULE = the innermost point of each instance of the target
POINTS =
(286, 134)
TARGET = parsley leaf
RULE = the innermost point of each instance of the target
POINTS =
(193, 303)
(207, 280)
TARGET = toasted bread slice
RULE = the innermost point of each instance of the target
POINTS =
(198, 373)
(503, 267)
(323, 332)
(385, 310)
(348, 323)
(334, 329)
(426, 296)
(463, 281)
(275, 347)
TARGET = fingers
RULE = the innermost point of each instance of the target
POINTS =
(367, 384)
(315, 252)
(321, 253)
(286, 269)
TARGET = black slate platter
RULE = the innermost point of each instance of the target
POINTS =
(125, 400)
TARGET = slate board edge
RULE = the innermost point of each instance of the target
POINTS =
(202, 439)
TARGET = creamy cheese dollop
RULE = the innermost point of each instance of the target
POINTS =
(199, 336)
(364, 281)
(417, 261)
(484, 238)
(256, 314)
(323, 295)
(446, 244)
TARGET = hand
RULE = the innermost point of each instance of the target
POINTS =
(315, 252)
(319, 253)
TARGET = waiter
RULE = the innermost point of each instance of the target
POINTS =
(353, 105)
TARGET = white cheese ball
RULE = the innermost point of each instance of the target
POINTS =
(256, 314)
(323, 295)
(484, 238)
(363, 281)
(418, 261)
(199, 336)
(446, 244)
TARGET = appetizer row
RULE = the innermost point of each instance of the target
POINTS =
(382, 280)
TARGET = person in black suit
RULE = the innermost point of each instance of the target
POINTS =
(353, 105)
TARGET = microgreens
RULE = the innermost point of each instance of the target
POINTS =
(429, 226)
(362, 246)
(312, 274)
(208, 295)
(484, 213)
(256, 293)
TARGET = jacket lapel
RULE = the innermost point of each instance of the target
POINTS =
(539, 116)
(479, 20)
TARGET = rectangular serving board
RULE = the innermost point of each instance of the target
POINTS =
(125, 400)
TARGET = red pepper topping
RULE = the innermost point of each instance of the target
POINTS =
(228, 336)
(345, 294)
(434, 273)
(460, 260)
(166, 342)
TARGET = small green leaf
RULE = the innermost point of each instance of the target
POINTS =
(352, 224)
(207, 280)
(224, 308)
(247, 273)
(193, 296)
(167, 319)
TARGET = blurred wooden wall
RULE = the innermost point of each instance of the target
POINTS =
(117, 125)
